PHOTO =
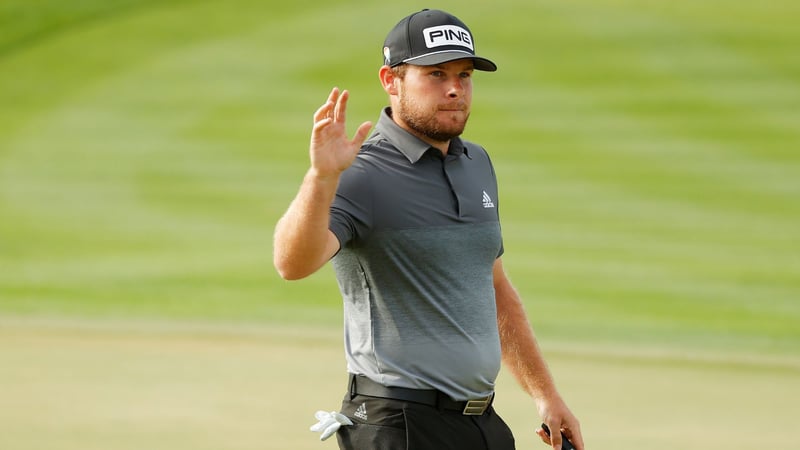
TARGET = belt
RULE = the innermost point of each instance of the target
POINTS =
(361, 385)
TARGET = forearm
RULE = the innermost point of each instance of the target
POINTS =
(521, 353)
(524, 359)
(302, 242)
(520, 350)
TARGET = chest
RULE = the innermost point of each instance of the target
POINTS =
(434, 192)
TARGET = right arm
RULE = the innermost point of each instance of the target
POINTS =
(303, 242)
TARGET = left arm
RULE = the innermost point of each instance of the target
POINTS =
(521, 354)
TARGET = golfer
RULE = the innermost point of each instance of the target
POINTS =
(409, 219)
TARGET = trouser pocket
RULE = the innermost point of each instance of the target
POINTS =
(378, 424)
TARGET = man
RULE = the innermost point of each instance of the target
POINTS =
(409, 219)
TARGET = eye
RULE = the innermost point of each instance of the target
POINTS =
(465, 74)
(437, 73)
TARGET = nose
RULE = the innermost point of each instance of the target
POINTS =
(456, 88)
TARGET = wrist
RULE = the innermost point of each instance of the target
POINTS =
(545, 393)
(323, 177)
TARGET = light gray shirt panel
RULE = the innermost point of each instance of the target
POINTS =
(413, 322)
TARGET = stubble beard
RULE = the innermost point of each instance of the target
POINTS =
(425, 123)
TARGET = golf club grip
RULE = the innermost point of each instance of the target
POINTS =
(566, 444)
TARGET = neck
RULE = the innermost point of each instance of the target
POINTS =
(442, 146)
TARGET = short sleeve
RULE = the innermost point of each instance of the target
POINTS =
(351, 211)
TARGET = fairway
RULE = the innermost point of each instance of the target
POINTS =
(648, 156)
(199, 386)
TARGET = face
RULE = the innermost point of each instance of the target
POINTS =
(434, 102)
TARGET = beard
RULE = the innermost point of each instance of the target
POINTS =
(424, 121)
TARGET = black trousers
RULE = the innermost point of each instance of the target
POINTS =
(387, 424)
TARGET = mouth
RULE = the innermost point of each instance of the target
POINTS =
(452, 108)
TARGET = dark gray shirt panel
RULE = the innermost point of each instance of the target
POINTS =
(382, 189)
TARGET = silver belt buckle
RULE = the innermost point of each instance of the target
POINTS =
(477, 407)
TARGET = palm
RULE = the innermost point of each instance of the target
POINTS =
(331, 151)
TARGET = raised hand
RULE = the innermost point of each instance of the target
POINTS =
(331, 151)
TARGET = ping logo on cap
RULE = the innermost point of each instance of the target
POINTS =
(447, 35)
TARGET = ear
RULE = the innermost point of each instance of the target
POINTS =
(388, 80)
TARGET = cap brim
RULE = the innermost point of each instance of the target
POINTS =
(433, 59)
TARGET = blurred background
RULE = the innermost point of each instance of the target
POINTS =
(648, 155)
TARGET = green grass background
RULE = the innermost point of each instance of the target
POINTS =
(649, 164)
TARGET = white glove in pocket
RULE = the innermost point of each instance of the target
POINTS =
(328, 423)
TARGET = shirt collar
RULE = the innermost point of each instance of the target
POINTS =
(409, 145)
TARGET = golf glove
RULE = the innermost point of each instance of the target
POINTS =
(328, 423)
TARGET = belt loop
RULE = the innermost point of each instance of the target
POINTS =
(352, 386)
(439, 403)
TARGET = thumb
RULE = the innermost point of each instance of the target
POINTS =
(361, 133)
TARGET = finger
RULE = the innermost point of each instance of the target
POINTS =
(555, 437)
(323, 111)
(575, 436)
(553, 433)
(326, 109)
(320, 124)
(333, 99)
(543, 436)
(361, 134)
(333, 95)
(340, 110)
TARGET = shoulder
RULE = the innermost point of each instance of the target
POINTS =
(474, 148)
(370, 159)
(476, 152)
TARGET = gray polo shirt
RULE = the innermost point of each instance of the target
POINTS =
(419, 236)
